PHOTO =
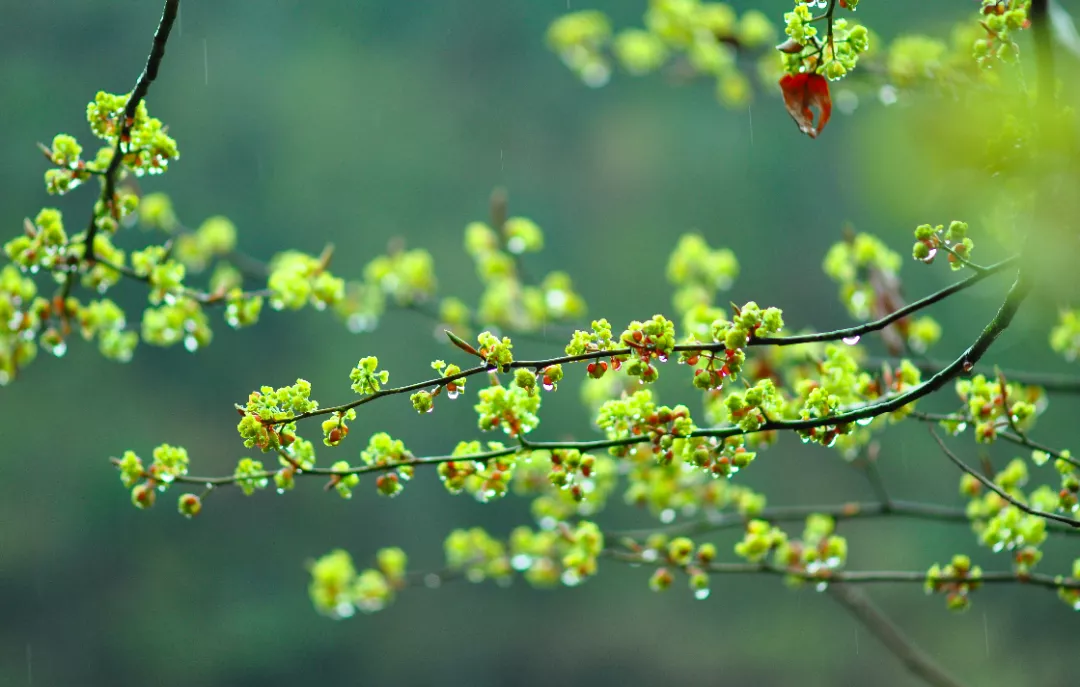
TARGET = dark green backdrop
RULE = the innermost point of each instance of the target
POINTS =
(355, 122)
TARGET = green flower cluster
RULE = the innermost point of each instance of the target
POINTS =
(295, 456)
(366, 377)
(146, 147)
(263, 414)
(759, 540)
(215, 237)
(547, 557)
(623, 418)
(405, 276)
(250, 475)
(384, 451)
(494, 351)
(182, 320)
(719, 458)
(106, 321)
(477, 555)
(832, 56)
(650, 339)
(819, 553)
(1065, 336)
(705, 34)
(682, 554)
(1002, 526)
(751, 409)
(169, 463)
(512, 408)
(297, 279)
(485, 480)
(748, 322)
(850, 263)
(334, 428)
(1072, 596)
(994, 405)
(956, 581)
(21, 314)
(684, 487)
(954, 241)
(43, 245)
(564, 483)
(1001, 19)
(338, 591)
(506, 301)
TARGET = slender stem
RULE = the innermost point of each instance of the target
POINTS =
(970, 357)
(830, 577)
(1023, 440)
(876, 325)
(918, 662)
(840, 511)
(999, 491)
(1050, 383)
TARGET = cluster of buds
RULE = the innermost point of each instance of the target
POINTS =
(649, 340)
(956, 581)
(819, 553)
(996, 405)
(719, 458)
(929, 240)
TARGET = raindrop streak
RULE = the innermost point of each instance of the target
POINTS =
(986, 633)
(851, 340)
(206, 64)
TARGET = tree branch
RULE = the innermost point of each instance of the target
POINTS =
(999, 491)
(859, 605)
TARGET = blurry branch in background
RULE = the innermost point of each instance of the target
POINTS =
(888, 633)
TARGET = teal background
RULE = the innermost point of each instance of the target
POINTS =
(356, 122)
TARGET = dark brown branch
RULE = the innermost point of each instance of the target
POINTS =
(142, 86)
(918, 662)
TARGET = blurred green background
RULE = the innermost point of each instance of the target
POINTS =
(356, 122)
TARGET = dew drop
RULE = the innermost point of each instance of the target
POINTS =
(432, 581)
(280, 490)
(851, 340)
(191, 344)
(821, 586)
(521, 562)
(571, 578)
(701, 594)
(548, 387)
(648, 555)
(667, 516)
(58, 350)
(452, 394)
(516, 245)
(862, 422)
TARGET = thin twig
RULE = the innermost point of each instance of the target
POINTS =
(989, 484)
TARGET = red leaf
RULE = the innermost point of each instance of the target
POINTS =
(802, 92)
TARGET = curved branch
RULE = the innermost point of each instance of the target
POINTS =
(1016, 294)
(999, 491)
